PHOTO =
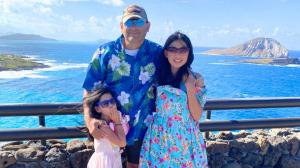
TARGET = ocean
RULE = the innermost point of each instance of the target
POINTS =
(68, 61)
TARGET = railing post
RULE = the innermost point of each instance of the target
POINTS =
(42, 123)
(208, 117)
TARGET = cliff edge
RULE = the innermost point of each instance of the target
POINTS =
(258, 48)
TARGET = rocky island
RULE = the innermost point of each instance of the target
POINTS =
(20, 36)
(9, 62)
(260, 50)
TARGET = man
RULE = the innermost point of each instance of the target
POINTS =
(128, 67)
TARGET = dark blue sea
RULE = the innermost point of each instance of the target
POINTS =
(68, 62)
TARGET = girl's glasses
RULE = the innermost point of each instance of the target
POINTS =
(136, 22)
(106, 103)
(180, 50)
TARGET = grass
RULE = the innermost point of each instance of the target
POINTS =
(13, 62)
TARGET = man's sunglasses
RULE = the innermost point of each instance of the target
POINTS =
(106, 103)
(181, 50)
(135, 22)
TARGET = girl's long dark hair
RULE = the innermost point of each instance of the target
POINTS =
(91, 101)
(165, 76)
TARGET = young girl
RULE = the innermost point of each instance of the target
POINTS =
(107, 149)
(174, 139)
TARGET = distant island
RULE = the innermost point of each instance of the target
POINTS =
(9, 62)
(19, 36)
(262, 50)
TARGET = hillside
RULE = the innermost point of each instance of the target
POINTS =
(259, 48)
(19, 36)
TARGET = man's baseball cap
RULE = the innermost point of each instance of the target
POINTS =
(134, 11)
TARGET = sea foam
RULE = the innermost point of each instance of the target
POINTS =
(35, 73)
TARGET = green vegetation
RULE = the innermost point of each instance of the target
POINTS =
(10, 62)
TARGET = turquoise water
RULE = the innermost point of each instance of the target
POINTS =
(68, 60)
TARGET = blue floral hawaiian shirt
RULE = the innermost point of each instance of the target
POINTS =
(131, 78)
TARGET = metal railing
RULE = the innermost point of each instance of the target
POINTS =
(43, 133)
(41, 110)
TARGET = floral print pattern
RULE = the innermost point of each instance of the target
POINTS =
(114, 62)
(131, 79)
(123, 69)
(173, 139)
(146, 72)
(123, 98)
(144, 77)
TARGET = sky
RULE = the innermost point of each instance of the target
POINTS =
(209, 23)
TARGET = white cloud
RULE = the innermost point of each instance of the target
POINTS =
(228, 31)
(291, 34)
(43, 10)
(11, 6)
(91, 29)
(119, 18)
(169, 27)
(76, 0)
(27, 6)
(222, 32)
(38, 17)
(160, 32)
(14, 5)
(256, 31)
(112, 2)
(275, 31)
(241, 30)
(184, 1)
(93, 20)
(283, 1)
(224, 35)
(106, 2)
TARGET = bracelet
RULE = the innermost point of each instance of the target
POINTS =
(117, 124)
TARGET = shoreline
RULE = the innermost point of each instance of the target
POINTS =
(264, 61)
(260, 60)
(269, 61)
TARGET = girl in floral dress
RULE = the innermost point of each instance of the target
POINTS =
(174, 139)
(107, 149)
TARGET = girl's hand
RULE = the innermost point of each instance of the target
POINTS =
(199, 81)
(107, 132)
(116, 137)
(95, 128)
(190, 84)
(115, 116)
